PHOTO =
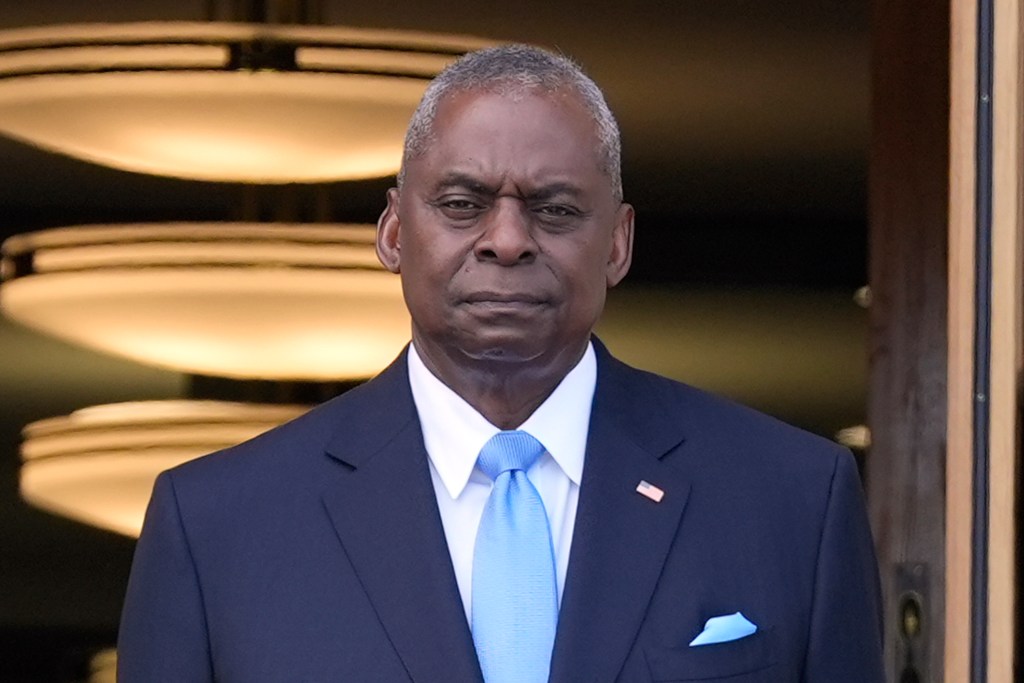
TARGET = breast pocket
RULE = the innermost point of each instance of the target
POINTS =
(749, 655)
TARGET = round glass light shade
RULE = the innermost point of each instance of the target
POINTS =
(220, 101)
(264, 301)
(98, 465)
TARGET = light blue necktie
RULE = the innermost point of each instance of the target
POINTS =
(515, 601)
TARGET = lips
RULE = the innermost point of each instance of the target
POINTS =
(504, 303)
(504, 298)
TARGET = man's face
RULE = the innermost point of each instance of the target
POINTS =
(506, 232)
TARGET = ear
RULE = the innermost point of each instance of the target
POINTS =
(389, 244)
(621, 255)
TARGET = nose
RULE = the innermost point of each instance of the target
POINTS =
(507, 239)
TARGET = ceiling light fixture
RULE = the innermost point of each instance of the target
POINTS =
(97, 465)
(243, 300)
(220, 101)
(857, 437)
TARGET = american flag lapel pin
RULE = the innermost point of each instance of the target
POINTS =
(650, 491)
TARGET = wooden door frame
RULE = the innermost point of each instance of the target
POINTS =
(985, 311)
(938, 163)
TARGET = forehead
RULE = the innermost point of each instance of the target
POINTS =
(527, 137)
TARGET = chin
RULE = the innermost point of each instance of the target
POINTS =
(504, 348)
(503, 354)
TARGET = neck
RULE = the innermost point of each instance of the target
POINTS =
(505, 393)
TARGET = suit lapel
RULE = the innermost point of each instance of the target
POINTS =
(384, 511)
(621, 538)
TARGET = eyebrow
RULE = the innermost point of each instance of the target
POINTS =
(463, 180)
(555, 190)
(473, 184)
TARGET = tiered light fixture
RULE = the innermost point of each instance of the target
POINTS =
(257, 100)
(97, 465)
(221, 101)
(267, 301)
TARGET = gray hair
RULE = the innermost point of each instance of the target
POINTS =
(511, 70)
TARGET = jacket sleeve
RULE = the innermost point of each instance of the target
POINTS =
(163, 634)
(845, 642)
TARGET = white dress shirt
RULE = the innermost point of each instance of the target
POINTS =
(454, 432)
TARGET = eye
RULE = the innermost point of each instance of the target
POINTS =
(557, 215)
(557, 210)
(458, 204)
(459, 208)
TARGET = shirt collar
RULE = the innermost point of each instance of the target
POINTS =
(454, 432)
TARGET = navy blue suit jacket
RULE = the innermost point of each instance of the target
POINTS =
(316, 552)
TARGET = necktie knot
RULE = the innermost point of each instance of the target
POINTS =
(509, 450)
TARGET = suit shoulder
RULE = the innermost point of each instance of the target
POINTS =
(732, 431)
(294, 452)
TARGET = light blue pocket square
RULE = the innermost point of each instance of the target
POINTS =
(723, 629)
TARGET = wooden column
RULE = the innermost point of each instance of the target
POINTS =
(986, 227)
(946, 383)
(962, 275)
(1007, 342)
(908, 241)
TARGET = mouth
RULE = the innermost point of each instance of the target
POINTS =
(504, 298)
(504, 302)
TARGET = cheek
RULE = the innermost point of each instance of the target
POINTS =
(588, 281)
(432, 277)
(586, 264)
(429, 258)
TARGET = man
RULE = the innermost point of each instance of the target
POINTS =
(651, 532)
